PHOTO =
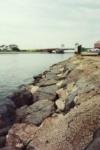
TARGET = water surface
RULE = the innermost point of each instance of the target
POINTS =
(18, 69)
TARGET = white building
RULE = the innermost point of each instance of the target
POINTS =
(76, 47)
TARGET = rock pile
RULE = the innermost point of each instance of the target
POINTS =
(60, 110)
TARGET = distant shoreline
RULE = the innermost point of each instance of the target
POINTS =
(29, 52)
(15, 52)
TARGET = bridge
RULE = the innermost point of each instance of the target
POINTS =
(55, 50)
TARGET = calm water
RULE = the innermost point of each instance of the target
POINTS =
(17, 69)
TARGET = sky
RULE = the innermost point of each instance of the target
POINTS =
(49, 23)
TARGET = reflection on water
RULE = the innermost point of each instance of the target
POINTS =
(17, 69)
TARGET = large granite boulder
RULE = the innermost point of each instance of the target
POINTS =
(9, 148)
(60, 104)
(72, 132)
(36, 113)
(21, 113)
(2, 141)
(95, 143)
(37, 78)
(22, 97)
(7, 114)
(7, 118)
(70, 101)
(62, 98)
(66, 100)
(48, 92)
(4, 131)
(61, 84)
(31, 88)
(51, 75)
(45, 82)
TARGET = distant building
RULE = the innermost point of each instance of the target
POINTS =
(76, 47)
(97, 45)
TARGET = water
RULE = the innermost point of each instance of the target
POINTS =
(18, 69)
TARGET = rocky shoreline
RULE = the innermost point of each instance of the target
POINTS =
(59, 111)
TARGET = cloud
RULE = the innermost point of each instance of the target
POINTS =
(48, 23)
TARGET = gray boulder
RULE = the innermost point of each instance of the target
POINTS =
(37, 112)
(2, 141)
(4, 131)
(51, 75)
(22, 97)
(37, 78)
(7, 114)
(48, 92)
(95, 143)
(7, 118)
(8, 148)
(45, 82)
(70, 103)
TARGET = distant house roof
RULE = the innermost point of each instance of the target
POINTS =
(97, 44)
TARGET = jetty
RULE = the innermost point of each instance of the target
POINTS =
(59, 110)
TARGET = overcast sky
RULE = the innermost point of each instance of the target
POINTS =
(49, 23)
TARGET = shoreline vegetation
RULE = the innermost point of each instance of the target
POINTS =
(59, 110)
